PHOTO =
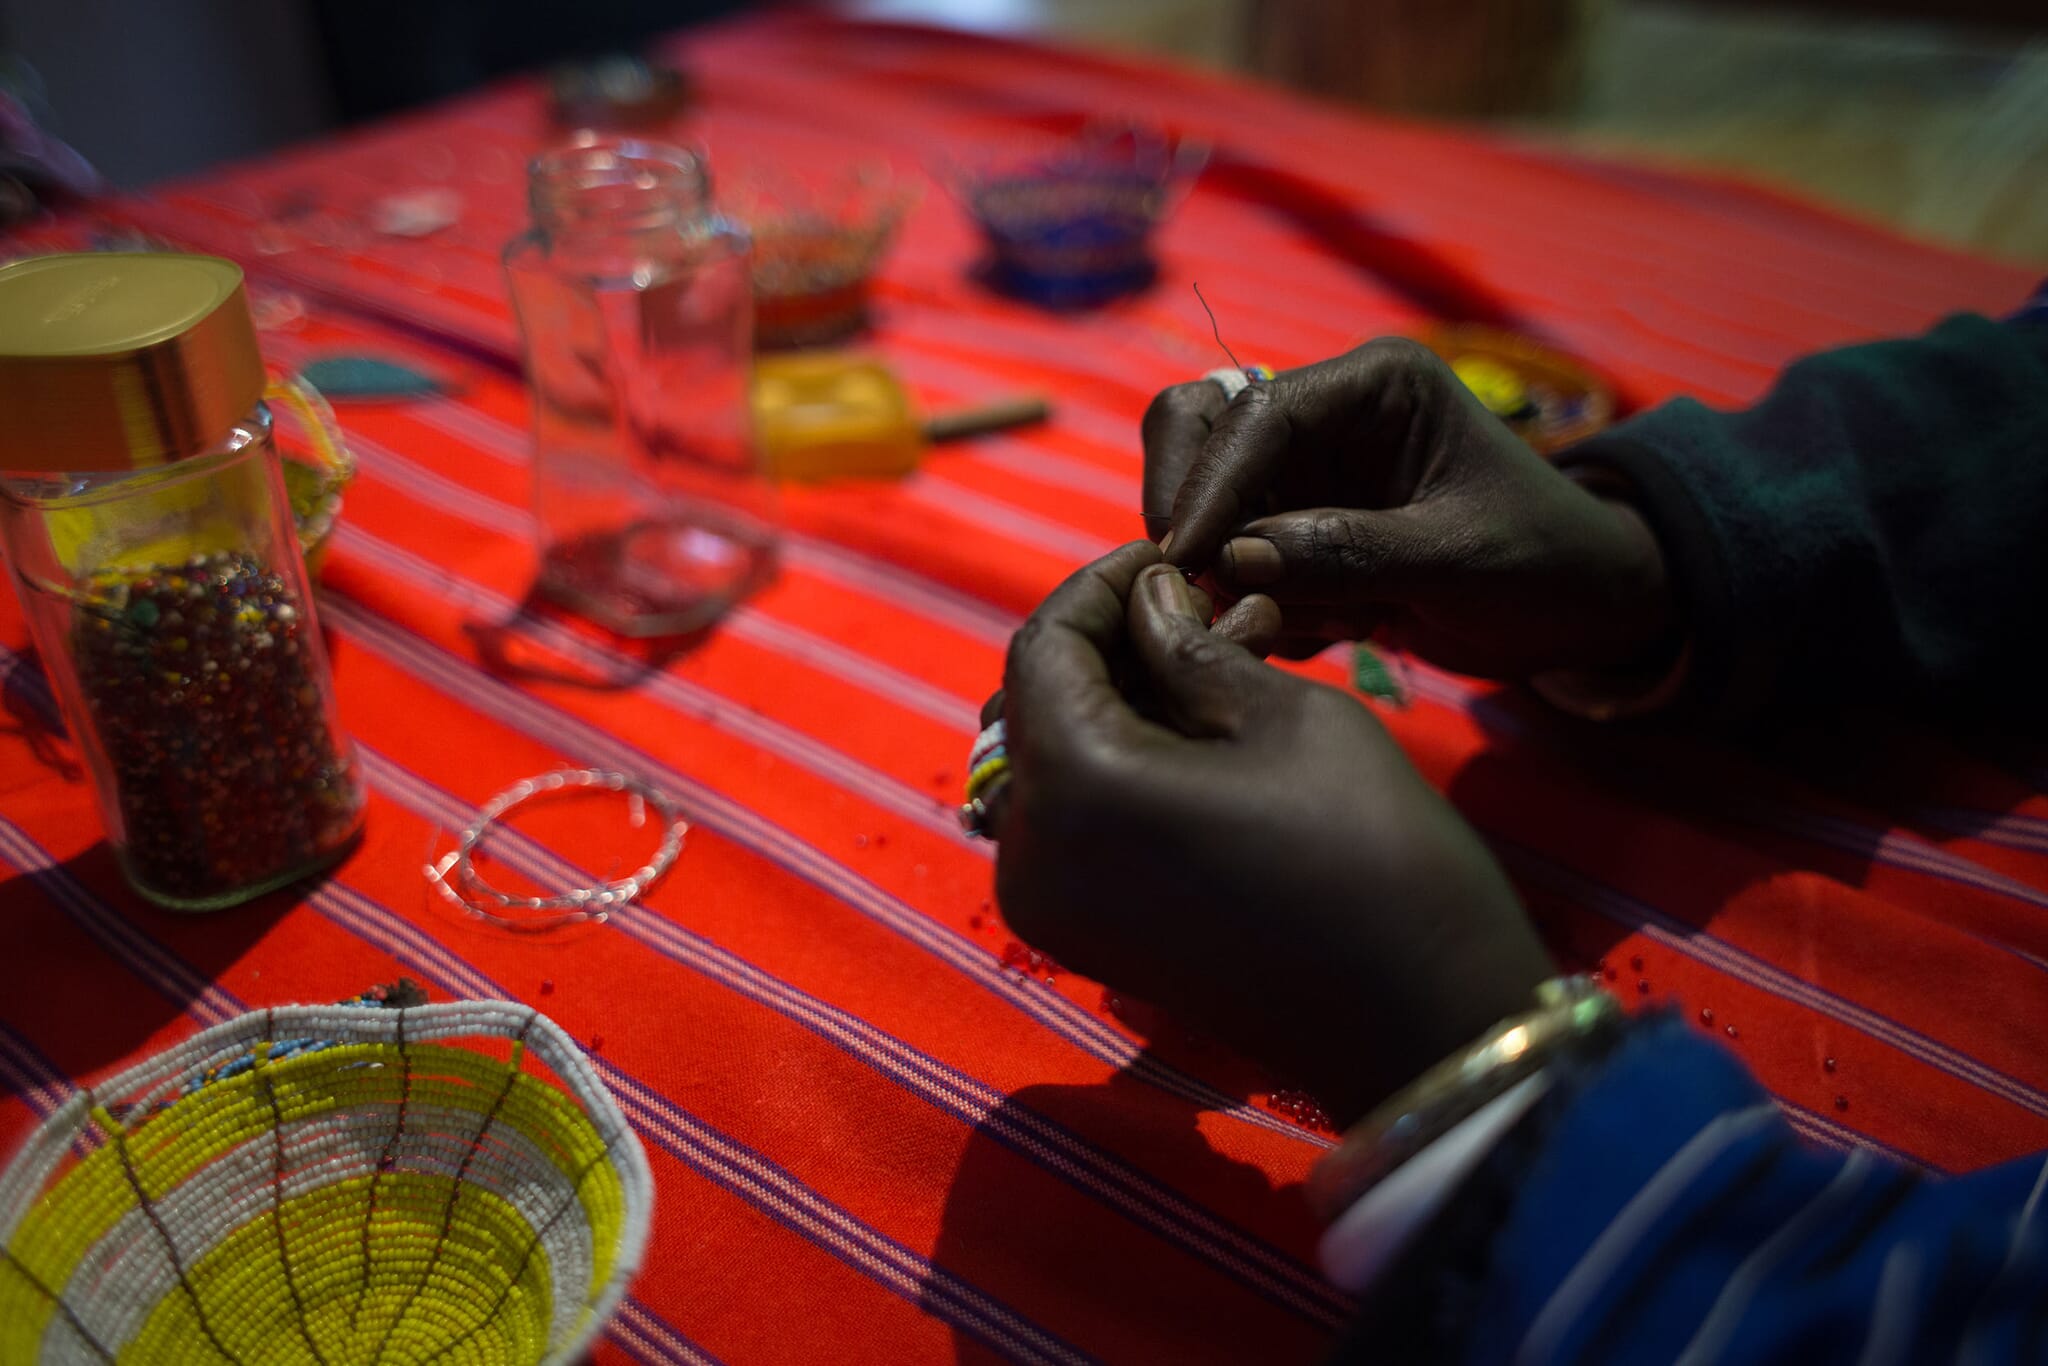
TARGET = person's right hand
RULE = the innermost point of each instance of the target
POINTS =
(1374, 490)
(1245, 848)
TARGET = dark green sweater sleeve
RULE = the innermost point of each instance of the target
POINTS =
(1875, 530)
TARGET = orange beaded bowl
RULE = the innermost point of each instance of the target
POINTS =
(817, 244)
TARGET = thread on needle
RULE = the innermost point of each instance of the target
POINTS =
(1216, 331)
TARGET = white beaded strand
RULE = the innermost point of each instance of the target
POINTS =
(457, 878)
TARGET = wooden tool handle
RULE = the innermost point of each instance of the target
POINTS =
(990, 417)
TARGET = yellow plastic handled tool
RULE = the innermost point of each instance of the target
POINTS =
(828, 415)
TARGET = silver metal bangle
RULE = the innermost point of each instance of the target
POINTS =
(1570, 1012)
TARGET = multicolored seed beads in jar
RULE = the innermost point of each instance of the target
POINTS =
(202, 685)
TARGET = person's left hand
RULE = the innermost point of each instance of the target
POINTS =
(1256, 854)
(1373, 492)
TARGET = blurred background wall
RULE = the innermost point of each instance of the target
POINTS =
(1929, 114)
(151, 88)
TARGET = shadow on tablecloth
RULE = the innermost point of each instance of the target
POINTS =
(61, 922)
(1079, 1268)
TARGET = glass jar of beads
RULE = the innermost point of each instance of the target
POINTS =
(635, 309)
(147, 530)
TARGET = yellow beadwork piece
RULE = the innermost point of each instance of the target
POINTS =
(1498, 387)
(985, 773)
(360, 1201)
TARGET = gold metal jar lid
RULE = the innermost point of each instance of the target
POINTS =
(122, 360)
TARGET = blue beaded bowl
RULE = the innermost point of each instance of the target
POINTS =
(1070, 225)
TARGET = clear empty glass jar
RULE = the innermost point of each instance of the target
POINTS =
(635, 307)
(145, 522)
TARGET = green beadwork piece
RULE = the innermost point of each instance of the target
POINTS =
(1372, 676)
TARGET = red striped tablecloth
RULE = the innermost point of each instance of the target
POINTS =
(872, 1141)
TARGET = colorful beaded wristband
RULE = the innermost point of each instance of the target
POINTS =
(995, 737)
(988, 771)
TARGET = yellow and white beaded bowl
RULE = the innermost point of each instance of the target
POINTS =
(409, 1190)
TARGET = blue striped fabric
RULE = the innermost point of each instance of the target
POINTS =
(1672, 1215)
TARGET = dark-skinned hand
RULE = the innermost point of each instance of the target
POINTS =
(1251, 851)
(1374, 490)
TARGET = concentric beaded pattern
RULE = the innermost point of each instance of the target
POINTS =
(407, 1193)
